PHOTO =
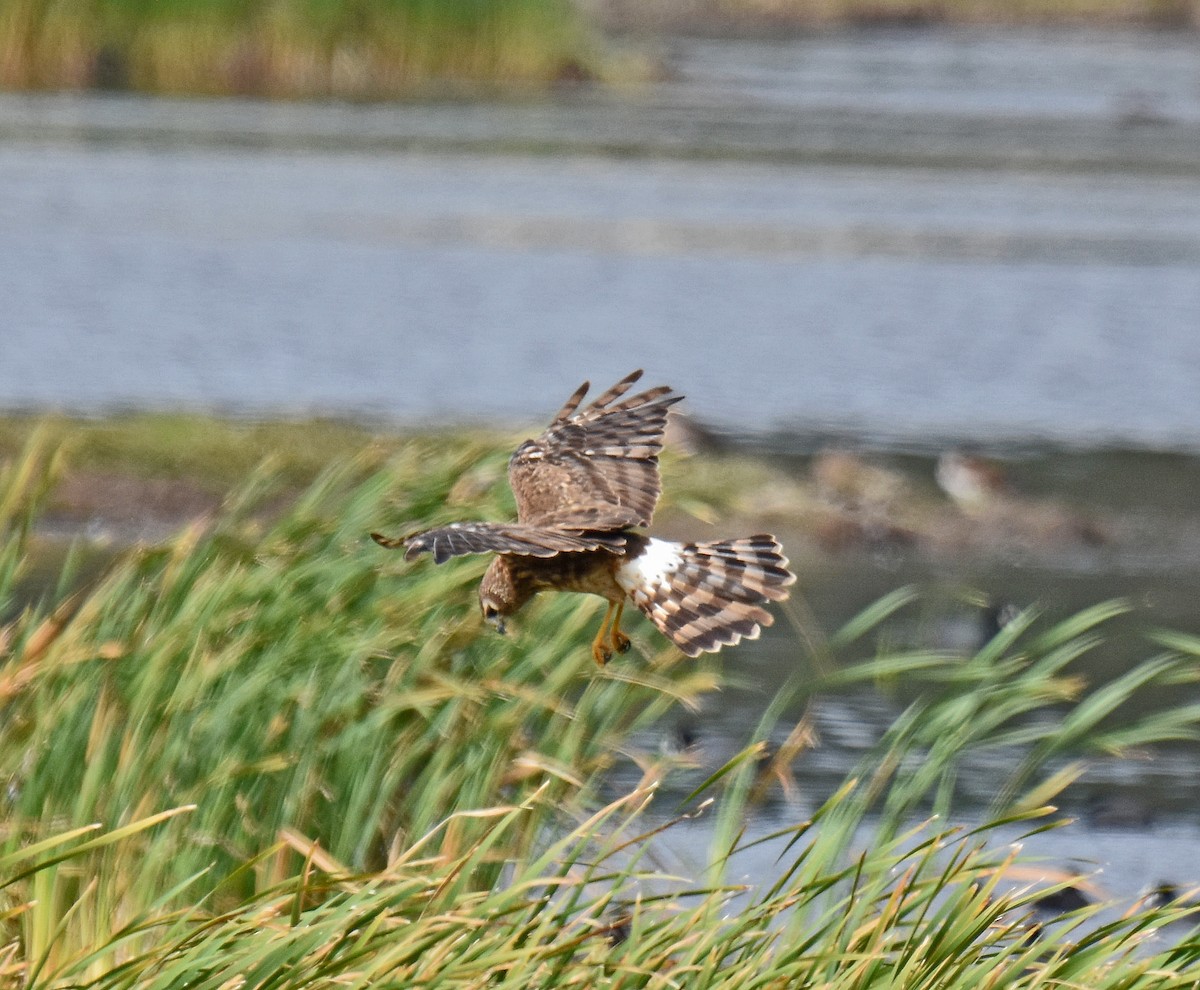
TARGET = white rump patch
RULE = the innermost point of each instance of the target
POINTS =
(651, 568)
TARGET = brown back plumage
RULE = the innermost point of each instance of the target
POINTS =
(716, 595)
(595, 468)
(591, 474)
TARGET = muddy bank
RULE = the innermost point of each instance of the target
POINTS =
(767, 18)
(1045, 509)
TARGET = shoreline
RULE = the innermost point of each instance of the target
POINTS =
(140, 479)
(781, 18)
(458, 51)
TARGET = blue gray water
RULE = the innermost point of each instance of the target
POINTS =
(900, 304)
(908, 237)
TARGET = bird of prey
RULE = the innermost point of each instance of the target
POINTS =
(584, 491)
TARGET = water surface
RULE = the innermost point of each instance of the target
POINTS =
(885, 234)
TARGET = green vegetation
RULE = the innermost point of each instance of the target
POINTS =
(209, 451)
(290, 48)
(267, 754)
(203, 457)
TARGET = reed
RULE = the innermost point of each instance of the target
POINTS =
(291, 48)
(263, 754)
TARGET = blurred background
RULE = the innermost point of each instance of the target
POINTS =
(931, 266)
(876, 219)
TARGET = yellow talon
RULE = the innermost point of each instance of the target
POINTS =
(600, 652)
(620, 642)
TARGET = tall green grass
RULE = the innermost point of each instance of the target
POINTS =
(266, 754)
(289, 48)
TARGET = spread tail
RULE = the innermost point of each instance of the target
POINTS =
(703, 596)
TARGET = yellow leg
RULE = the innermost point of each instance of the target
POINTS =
(619, 641)
(600, 651)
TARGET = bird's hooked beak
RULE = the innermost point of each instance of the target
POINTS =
(493, 618)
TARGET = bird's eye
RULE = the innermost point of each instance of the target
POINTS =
(492, 616)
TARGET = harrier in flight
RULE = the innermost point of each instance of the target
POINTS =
(583, 490)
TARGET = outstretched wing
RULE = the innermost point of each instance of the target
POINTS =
(461, 538)
(595, 468)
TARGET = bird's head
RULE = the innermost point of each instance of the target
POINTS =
(492, 614)
(501, 593)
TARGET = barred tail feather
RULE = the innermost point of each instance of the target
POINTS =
(703, 596)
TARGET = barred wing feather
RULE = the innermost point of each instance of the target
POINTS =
(597, 467)
(461, 538)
